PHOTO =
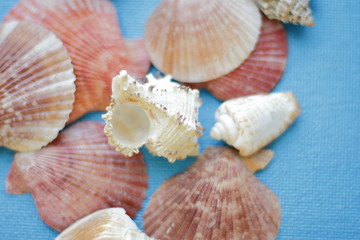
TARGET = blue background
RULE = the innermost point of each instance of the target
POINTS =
(316, 167)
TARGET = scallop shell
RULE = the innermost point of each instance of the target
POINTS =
(260, 72)
(77, 174)
(36, 86)
(197, 41)
(91, 34)
(293, 11)
(156, 112)
(111, 223)
(250, 123)
(217, 197)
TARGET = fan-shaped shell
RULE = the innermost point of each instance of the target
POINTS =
(91, 34)
(250, 123)
(260, 72)
(111, 223)
(36, 86)
(217, 197)
(197, 41)
(78, 174)
(293, 11)
(156, 112)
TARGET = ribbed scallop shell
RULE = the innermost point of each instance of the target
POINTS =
(156, 112)
(36, 86)
(293, 11)
(250, 123)
(77, 174)
(260, 72)
(217, 197)
(197, 41)
(110, 223)
(91, 34)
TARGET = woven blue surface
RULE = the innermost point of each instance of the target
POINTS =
(316, 169)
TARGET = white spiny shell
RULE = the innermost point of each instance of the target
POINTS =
(293, 11)
(36, 86)
(110, 223)
(156, 112)
(197, 40)
(250, 123)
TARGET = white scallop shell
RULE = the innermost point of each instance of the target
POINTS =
(110, 223)
(293, 11)
(156, 112)
(197, 40)
(36, 86)
(250, 123)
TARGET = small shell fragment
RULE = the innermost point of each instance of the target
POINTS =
(197, 40)
(91, 33)
(156, 112)
(260, 72)
(36, 86)
(293, 11)
(110, 223)
(250, 123)
(258, 160)
(77, 174)
(217, 197)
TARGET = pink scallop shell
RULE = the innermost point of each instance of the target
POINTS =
(91, 34)
(77, 174)
(260, 72)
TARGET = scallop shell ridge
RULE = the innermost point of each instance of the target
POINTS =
(36, 86)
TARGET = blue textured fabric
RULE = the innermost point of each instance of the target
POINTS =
(316, 167)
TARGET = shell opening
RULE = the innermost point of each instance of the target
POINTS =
(131, 124)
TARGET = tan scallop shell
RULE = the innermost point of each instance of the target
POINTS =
(110, 223)
(217, 197)
(250, 123)
(36, 86)
(293, 11)
(197, 41)
(156, 112)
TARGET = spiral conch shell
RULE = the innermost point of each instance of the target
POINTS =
(293, 11)
(156, 112)
(250, 123)
(110, 223)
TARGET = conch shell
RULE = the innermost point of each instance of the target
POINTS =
(110, 223)
(156, 112)
(250, 123)
(293, 11)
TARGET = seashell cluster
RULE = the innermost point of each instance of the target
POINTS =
(293, 11)
(260, 72)
(77, 174)
(111, 223)
(36, 86)
(196, 41)
(250, 123)
(91, 33)
(217, 197)
(156, 112)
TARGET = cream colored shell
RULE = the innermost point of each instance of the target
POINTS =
(293, 11)
(156, 112)
(111, 223)
(250, 123)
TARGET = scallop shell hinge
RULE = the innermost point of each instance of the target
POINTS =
(156, 112)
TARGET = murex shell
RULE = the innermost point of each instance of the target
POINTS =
(110, 223)
(217, 197)
(77, 174)
(36, 86)
(260, 72)
(293, 11)
(197, 41)
(156, 112)
(91, 33)
(250, 123)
